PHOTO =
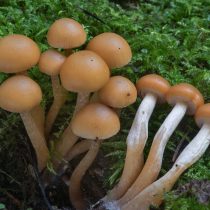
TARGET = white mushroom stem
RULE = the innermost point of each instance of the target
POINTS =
(37, 139)
(75, 193)
(153, 194)
(153, 163)
(136, 141)
(60, 96)
(68, 138)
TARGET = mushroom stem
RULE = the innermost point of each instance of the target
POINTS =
(39, 118)
(153, 194)
(60, 96)
(154, 161)
(37, 139)
(75, 180)
(79, 148)
(68, 138)
(136, 141)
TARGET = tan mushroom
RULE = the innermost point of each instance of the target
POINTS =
(152, 88)
(186, 99)
(153, 194)
(66, 33)
(21, 94)
(18, 53)
(97, 122)
(83, 72)
(50, 63)
(113, 48)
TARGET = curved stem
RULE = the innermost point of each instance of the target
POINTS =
(68, 138)
(153, 163)
(75, 180)
(136, 141)
(60, 96)
(37, 139)
(153, 195)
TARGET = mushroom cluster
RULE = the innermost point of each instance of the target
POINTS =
(96, 116)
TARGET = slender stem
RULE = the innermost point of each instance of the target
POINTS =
(136, 141)
(153, 195)
(68, 139)
(60, 96)
(75, 181)
(37, 139)
(39, 118)
(154, 161)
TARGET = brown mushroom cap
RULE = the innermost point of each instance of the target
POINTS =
(19, 94)
(50, 62)
(66, 33)
(202, 115)
(95, 121)
(118, 92)
(185, 93)
(84, 71)
(113, 48)
(155, 84)
(17, 53)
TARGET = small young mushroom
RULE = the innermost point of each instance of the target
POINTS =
(50, 63)
(119, 92)
(66, 33)
(21, 94)
(185, 98)
(113, 48)
(153, 88)
(97, 122)
(153, 194)
(83, 72)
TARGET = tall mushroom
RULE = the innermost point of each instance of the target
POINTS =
(97, 122)
(83, 72)
(185, 98)
(153, 194)
(64, 33)
(50, 63)
(21, 94)
(18, 53)
(152, 88)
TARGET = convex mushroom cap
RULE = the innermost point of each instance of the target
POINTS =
(50, 62)
(84, 71)
(202, 115)
(113, 48)
(118, 92)
(185, 93)
(66, 33)
(154, 84)
(95, 121)
(19, 94)
(17, 53)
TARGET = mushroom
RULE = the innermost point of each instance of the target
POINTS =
(18, 53)
(97, 122)
(185, 98)
(113, 48)
(66, 33)
(50, 63)
(83, 72)
(153, 88)
(21, 94)
(153, 194)
(119, 92)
